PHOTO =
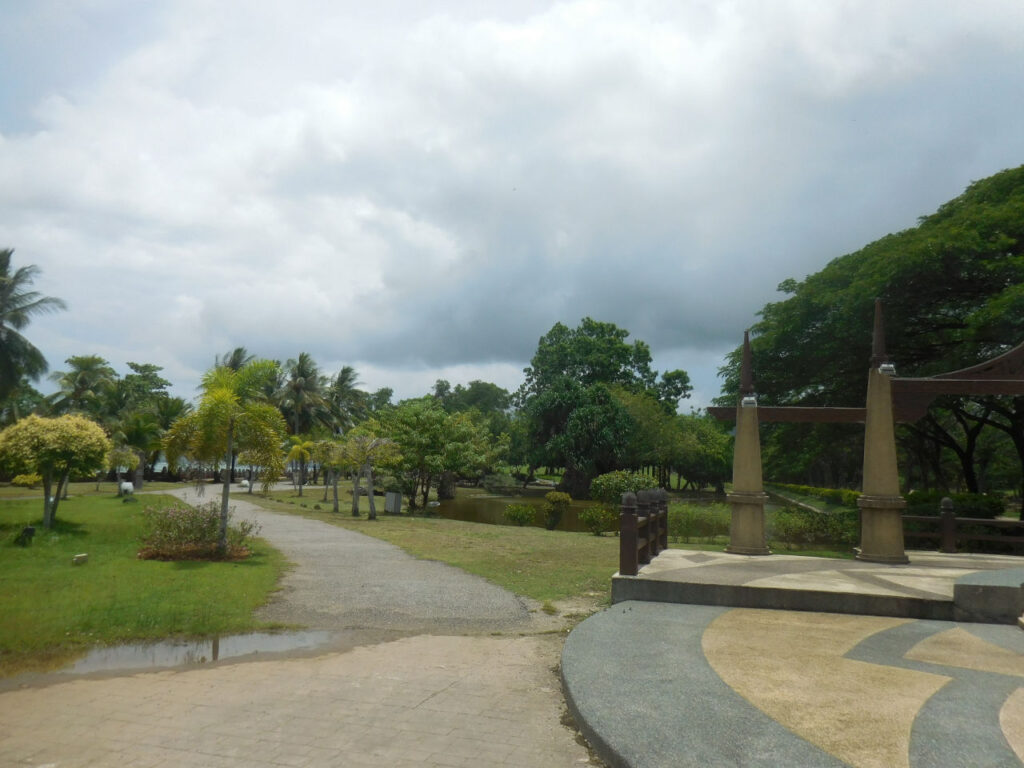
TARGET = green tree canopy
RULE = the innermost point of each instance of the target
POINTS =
(56, 449)
(234, 413)
(573, 417)
(953, 292)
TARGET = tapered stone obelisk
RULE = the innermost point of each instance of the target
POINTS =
(746, 531)
(881, 506)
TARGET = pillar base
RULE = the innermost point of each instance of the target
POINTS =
(746, 533)
(881, 530)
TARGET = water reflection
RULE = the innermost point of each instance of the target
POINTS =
(174, 653)
(484, 508)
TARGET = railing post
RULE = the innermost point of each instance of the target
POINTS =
(653, 524)
(662, 520)
(948, 525)
(627, 536)
(643, 513)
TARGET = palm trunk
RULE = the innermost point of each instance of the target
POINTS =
(369, 492)
(222, 538)
(335, 474)
(355, 493)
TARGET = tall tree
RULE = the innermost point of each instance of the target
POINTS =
(235, 359)
(18, 305)
(574, 420)
(303, 400)
(233, 413)
(83, 386)
(432, 442)
(348, 404)
(953, 291)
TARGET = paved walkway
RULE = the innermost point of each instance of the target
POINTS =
(658, 685)
(420, 695)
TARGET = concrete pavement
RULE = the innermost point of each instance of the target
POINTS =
(656, 685)
(439, 668)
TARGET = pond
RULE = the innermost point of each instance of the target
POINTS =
(481, 507)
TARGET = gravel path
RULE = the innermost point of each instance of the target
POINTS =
(344, 580)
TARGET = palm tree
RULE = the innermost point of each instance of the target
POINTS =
(349, 404)
(233, 413)
(84, 387)
(22, 399)
(18, 357)
(234, 359)
(302, 398)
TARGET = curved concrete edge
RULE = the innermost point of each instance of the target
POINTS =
(637, 682)
(604, 750)
(626, 588)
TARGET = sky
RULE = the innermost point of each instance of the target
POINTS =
(423, 189)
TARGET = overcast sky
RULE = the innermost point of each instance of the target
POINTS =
(422, 189)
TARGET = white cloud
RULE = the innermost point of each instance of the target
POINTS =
(426, 188)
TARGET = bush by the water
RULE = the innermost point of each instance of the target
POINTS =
(795, 527)
(555, 505)
(698, 521)
(181, 532)
(978, 505)
(598, 519)
(500, 483)
(520, 514)
(609, 487)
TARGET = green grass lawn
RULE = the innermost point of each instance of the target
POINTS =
(51, 610)
(8, 491)
(544, 565)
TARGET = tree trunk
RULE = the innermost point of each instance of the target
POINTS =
(369, 491)
(222, 537)
(446, 486)
(140, 470)
(47, 511)
(425, 488)
(355, 493)
(62, 485)
(334, 484)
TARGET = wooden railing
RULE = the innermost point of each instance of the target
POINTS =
(948, 523)
(643, 529)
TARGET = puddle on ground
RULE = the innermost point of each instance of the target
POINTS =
(176, 653)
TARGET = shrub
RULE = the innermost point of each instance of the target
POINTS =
(795, 527)
(839, 496)
(597, 520)
(979, 505)
(609, 487)
(520, 514)
(181, 532)
(555, 505)
(698, 521)
(27, 481)
(500, 483)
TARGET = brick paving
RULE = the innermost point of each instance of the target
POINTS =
(419, 701)
(424, 700)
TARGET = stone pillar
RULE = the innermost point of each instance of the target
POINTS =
(746, 531)
(881, 506)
